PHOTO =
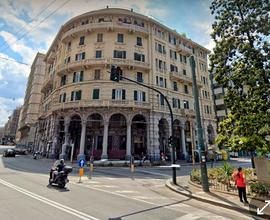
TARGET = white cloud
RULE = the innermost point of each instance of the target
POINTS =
(12, 69)
(7, 107)
(210, 45)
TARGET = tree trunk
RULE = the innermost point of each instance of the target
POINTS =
(252, 159)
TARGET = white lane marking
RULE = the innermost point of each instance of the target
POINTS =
(57, 205)
(125, 191)
(188, 216)
(154, 173)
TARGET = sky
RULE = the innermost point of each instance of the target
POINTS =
(29, 26)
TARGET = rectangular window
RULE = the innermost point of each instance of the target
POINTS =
(171, 56)
(175, 55)
(179, 104)
(99, 37)
(97, 74)
(69, 45)
(181, 57)
(62, 97)
(67, 60)
(120, 38)
(139, 96)
(78, 76)
(186, 104)
(139, 41)
(139, 77)
(161, 82)
(157, 80)
(184, 72)
(161, 100)
(159, 48)
(174, 102)
(63, 80)
(95, 93)
(186, 89)
(76, 95)
(98, 53)
(80, 56)
(175, 88)
(185, 59)
(139, 57)
(81, 40)
(119, 94)
(119, 54)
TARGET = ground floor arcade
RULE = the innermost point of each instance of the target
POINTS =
(117, 134)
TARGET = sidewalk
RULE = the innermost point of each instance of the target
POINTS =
(225, 200)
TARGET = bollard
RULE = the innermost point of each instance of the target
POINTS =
(80, 174)
(91, 169)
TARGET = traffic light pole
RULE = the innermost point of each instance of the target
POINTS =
(199, 128)
(171, 116)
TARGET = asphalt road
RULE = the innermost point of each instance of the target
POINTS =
(112, 193)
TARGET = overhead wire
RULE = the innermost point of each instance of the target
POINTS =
(25, 25)
(4, 58)
(25, 34)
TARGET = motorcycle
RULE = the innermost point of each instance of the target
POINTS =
(60, 178)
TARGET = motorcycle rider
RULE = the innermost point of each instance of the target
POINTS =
(58, 168)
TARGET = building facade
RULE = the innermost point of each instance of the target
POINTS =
(85, 114)
(11, 126)
(30, 110)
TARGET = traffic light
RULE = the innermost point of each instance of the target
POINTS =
(116, 73)
(171, 141)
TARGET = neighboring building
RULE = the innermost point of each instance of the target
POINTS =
(83, 108)
(12, 125)
(1, 134)
(218, 92)
(32, 100)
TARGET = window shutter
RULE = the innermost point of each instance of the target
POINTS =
(179, 106)
(165, 83)
(81, 76)
(78, 95)
(60, 98)
(114, 54)
(113, 94)
(83, 55)
(143, 97)
(76, 57)
(74, 77)
(123, 94)
(124, 54)
(135, 95)
(64, 97)
(72, 96)
(157, 80)
(143, 58)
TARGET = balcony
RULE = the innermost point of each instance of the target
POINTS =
(183, 78)
(88, 63)
(109, 26)
(101, 103)
(48, 84)
(183, 50)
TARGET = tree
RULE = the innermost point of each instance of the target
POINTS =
(241, 64)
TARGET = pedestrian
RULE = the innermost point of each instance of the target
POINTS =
(239, 178)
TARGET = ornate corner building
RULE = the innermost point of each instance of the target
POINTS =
(84, 113)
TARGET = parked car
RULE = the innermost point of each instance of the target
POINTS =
(21, 151)
(9, 153)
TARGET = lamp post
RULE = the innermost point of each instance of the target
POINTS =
(199, 127)
(116, 75)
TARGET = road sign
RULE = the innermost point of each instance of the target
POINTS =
(81, 163)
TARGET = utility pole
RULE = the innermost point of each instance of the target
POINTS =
(116, 75)
(199, 127)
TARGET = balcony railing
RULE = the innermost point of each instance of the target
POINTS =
(101, 103)
(102, 61)
(183, 50)
(104, 25)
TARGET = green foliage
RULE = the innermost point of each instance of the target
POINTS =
(241, 64)
(259, 188)
(195, 176)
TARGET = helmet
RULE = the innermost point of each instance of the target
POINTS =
(62, 161)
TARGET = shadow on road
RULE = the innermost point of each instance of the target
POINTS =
(54, 187)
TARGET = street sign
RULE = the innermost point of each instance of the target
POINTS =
(81, 163)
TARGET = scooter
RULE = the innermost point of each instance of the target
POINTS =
(60, 178)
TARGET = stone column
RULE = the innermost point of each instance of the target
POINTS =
(105, 140)
(128, 151)
(183, 139)
(82, 142)
(154, 136)
(64, 146)
(54, 137)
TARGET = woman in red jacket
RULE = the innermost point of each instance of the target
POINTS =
(240, 181)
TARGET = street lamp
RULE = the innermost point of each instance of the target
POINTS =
(204, 176)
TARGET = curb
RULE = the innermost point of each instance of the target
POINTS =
(211, 201)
